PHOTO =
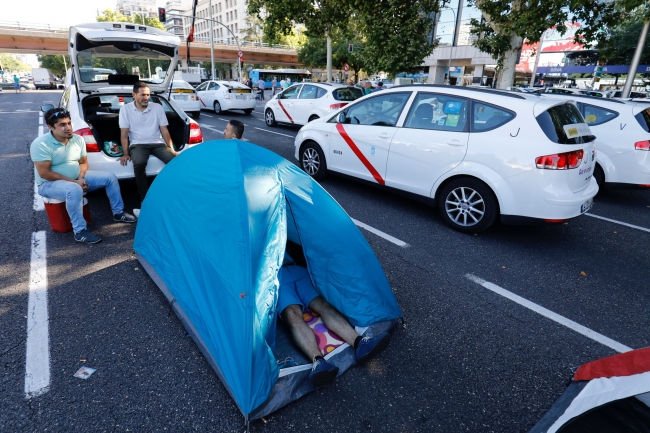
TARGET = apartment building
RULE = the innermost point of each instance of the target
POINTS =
(231, 13)
(138, 7)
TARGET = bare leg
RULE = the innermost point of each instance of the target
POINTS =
(334, 320)
(302, 335)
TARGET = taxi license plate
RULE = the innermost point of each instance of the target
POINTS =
(587, 205)
(240, 96)
(181, 97)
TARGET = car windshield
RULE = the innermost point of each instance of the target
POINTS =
(97, 63)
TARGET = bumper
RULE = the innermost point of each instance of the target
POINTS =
(99, 161)
(632, 168)
(188, 105)
(237, 104)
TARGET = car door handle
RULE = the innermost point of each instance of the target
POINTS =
(455, 143)
(384, 135)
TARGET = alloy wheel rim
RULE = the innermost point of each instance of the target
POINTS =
(465, 206)
(269, 117)
(310, 161)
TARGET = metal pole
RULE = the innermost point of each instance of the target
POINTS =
(212, 42)
(451, 46)
(537, 56)
(631, 74)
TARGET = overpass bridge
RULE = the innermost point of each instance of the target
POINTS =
(43, 39)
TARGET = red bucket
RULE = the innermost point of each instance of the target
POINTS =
(58, 214)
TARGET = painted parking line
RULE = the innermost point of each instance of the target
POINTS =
(38, 200)
(206, 115)
(37, 355)
(589, 333)
(19, 112)
(381, 234)
(272, 132)
(619, 222)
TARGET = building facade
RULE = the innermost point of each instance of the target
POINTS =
(174, 24)
(138, 7)
(231, 13)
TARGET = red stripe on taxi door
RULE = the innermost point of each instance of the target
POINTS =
(285, 111)
(361, 156)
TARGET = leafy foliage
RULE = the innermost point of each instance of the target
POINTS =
(115, 16)
(11, 64)
(54, 64)
(314, 53)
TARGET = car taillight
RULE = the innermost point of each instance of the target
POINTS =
(337, 106)
(196, 135)
(560, 161)
(642, 145)
(120, 98)
(89, 138)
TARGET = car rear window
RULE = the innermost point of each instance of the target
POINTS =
(564, 124)
(347, 94)
(644, 119)
(596, 115)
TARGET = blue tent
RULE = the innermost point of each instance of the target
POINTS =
(212, 235)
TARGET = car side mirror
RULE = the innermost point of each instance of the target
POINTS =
(46, 107)
(342, 117)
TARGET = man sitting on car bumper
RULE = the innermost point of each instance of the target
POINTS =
(141, 124)
(61, 172)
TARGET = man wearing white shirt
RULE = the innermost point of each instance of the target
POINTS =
(143, 127)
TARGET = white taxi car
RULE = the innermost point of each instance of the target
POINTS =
(481, 154)
(623, 131)
(304, 102)
(225, 95)
(184, 95)
(105, 55)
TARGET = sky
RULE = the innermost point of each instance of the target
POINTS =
(56, 13)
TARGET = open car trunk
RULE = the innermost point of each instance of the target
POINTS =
(102, 115)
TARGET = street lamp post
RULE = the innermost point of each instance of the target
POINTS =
(212, 41)
(451, 46)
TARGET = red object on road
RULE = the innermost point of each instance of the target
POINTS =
(58, 215)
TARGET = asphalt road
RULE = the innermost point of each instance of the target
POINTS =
(468, 359)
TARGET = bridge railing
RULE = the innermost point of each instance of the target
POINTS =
(243, 43)
(21, 25)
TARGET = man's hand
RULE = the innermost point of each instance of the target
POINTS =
(82, 183)
(125, 159)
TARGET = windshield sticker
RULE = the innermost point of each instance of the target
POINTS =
(452, 107)
(441, 122)
(577, 130)
(452, 120)
(591, 118)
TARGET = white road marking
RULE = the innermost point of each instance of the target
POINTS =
(266, 130)
(618, 222)
(27, 102)
(18, 112)
(225, 120)
(26, 111)
(206, 115)
(38, 200)
(379, 233)
(37, 365)
(551, 315)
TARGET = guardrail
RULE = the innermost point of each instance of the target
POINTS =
(20, 25)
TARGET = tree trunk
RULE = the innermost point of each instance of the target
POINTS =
(329, 58)
(506, 76)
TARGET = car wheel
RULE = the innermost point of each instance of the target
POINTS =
(269, 118)
(217, 107)
(248, 111)
(196, 114)
(312, 160)
(468, 205)
(314, 117)
(599, 175)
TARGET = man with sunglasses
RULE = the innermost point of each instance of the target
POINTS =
(144, 132)
(61, 171)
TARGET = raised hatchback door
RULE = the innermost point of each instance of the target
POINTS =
(116, 54)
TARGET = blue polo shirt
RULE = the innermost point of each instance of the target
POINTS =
(65, 157)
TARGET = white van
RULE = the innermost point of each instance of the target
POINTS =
(43, 78)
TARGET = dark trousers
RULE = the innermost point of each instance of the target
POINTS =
(140, 156)
(262, 94)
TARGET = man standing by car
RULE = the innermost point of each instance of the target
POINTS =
(274, 85)
(143, 132)
(61, 171)
(16, 83)
(262, 86)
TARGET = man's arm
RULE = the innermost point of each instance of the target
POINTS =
(83, 166)
(124, 141)
(44, 169)
(168, 138)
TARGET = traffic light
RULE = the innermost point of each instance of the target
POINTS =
(241, 62)
(350, 48)
(162, 15)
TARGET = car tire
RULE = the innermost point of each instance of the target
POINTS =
(217, 107)
(269, 118)
(314, 117)
(599, 175)
(195, 114)
(248, 111)
(468, 205)
(312, 160)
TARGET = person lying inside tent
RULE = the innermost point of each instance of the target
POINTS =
(297, 293)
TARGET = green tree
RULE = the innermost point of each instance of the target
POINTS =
(616, 46)
(320, 18)
(395, 33)
(114, 16)
(506, 23)
(55, 64)
(11, 64)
